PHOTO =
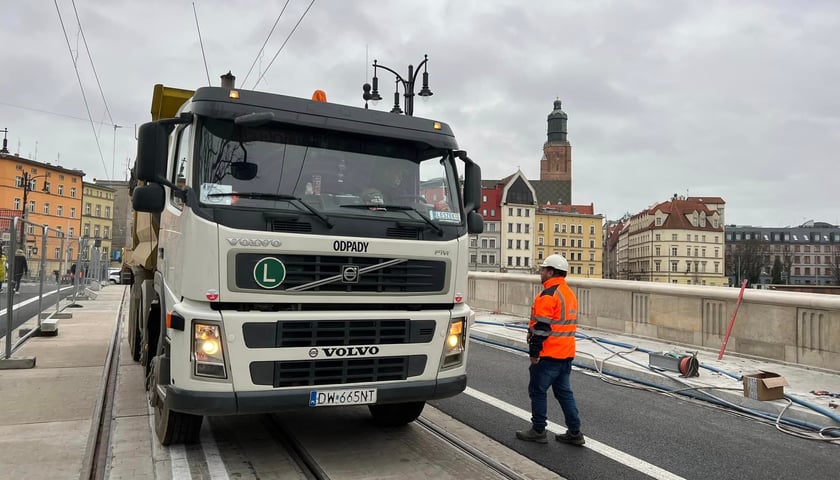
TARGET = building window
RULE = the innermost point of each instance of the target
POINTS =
(87, 209)
(59, 210)
(57, 253)
(563, 242)
(518, 212)
(492, 259)
(17, 204)
(657, 251)
(563, 228)
(484, 198)
(31, 206)
(519, 244)
(658, 237)
(483, 243)
(674, 237)
(492, 212)
(674, 266)
(527, 244)
(527, 215)
(510, 228)
(518, 228)
(72, 212)
(592, 229)
(472, 258)
(592, 244)
(540, 227)
(556, 228)
(484, 259)
(73, 190)
(87, 230)
(518, 261)
(492, 243)
(673, 251)
(510, 212)
(46, 209)
(510, 244)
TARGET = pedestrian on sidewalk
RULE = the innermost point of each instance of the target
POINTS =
(2, 269)
(551, 348)
(21, 267)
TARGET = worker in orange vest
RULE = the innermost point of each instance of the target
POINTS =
(551, 348)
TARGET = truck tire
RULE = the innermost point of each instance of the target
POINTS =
(172, 427)
(396, 414)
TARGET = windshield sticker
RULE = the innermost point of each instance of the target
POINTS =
(445, 216)
(224, 191)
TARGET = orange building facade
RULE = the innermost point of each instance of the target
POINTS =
(51, 196)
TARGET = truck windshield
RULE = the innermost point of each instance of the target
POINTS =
(327, 170)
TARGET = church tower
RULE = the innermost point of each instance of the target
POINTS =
(556, 163)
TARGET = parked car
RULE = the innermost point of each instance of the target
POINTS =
(114, 276)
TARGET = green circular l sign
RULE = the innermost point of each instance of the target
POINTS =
(269, 272)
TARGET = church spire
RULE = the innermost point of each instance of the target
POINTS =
(557, 119)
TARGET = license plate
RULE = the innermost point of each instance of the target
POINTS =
(353, 396)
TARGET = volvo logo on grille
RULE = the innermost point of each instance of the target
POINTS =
(313, 352)
(350, 274)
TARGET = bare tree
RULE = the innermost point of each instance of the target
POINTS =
(746, 260)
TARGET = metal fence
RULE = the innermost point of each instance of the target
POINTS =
(37, 258)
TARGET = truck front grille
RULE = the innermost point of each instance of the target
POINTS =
(302, 373)
(322, 333)
(328, 273)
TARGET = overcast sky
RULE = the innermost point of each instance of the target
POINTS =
(707, 98)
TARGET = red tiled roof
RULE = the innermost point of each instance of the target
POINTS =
(705, 199)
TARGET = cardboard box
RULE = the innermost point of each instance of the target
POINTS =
(764, 385)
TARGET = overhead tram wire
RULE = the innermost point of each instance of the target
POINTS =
(81, 86)
(200, 42)
(57, 114)
(284, 44)
(265, 42)
(90, 57)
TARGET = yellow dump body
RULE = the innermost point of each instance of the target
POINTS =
(167, 100)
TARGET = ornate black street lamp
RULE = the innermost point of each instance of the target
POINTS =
(27, 187)
(372, 92)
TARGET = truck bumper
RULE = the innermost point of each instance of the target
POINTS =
(241, 403)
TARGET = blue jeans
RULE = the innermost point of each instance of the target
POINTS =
(555, 374)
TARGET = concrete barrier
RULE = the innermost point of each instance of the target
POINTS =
(799, 328)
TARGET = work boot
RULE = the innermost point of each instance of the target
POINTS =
(532, 435)
(571, 438)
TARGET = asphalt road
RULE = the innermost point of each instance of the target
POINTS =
(688, 439)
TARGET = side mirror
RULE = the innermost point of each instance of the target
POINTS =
(149, 198)
(472, 185)
(475, 224)
(152, 151)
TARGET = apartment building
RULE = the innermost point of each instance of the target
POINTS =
(97, 221)
(807, 255)
(677, 241)
(42, 194)
(575, 232)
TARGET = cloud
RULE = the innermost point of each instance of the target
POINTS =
(715, 98)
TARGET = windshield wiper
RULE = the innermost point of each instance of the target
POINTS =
(403, 208)
(276, 196)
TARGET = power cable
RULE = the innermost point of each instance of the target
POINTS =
(50, 113)
(265, 43)
(81, 87)
(92, 66)
(201, 42)
(284, 44)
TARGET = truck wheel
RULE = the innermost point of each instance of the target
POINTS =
(172, 427)
(396, 414)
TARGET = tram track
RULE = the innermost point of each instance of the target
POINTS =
(95, 461)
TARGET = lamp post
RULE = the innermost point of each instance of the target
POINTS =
(27, 187)
(371, 92)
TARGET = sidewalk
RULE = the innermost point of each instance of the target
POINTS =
(47, 410)
(633, 364)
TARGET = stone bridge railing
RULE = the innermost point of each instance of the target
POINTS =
(801, 328)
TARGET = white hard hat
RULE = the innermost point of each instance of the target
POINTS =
(557, 262)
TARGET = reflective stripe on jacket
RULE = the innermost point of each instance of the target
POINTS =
(553, 321)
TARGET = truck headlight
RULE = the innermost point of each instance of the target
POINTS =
(453, 349)
(207, 351)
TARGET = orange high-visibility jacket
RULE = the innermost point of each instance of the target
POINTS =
(553, 323)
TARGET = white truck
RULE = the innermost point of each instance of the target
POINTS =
(291, 253)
